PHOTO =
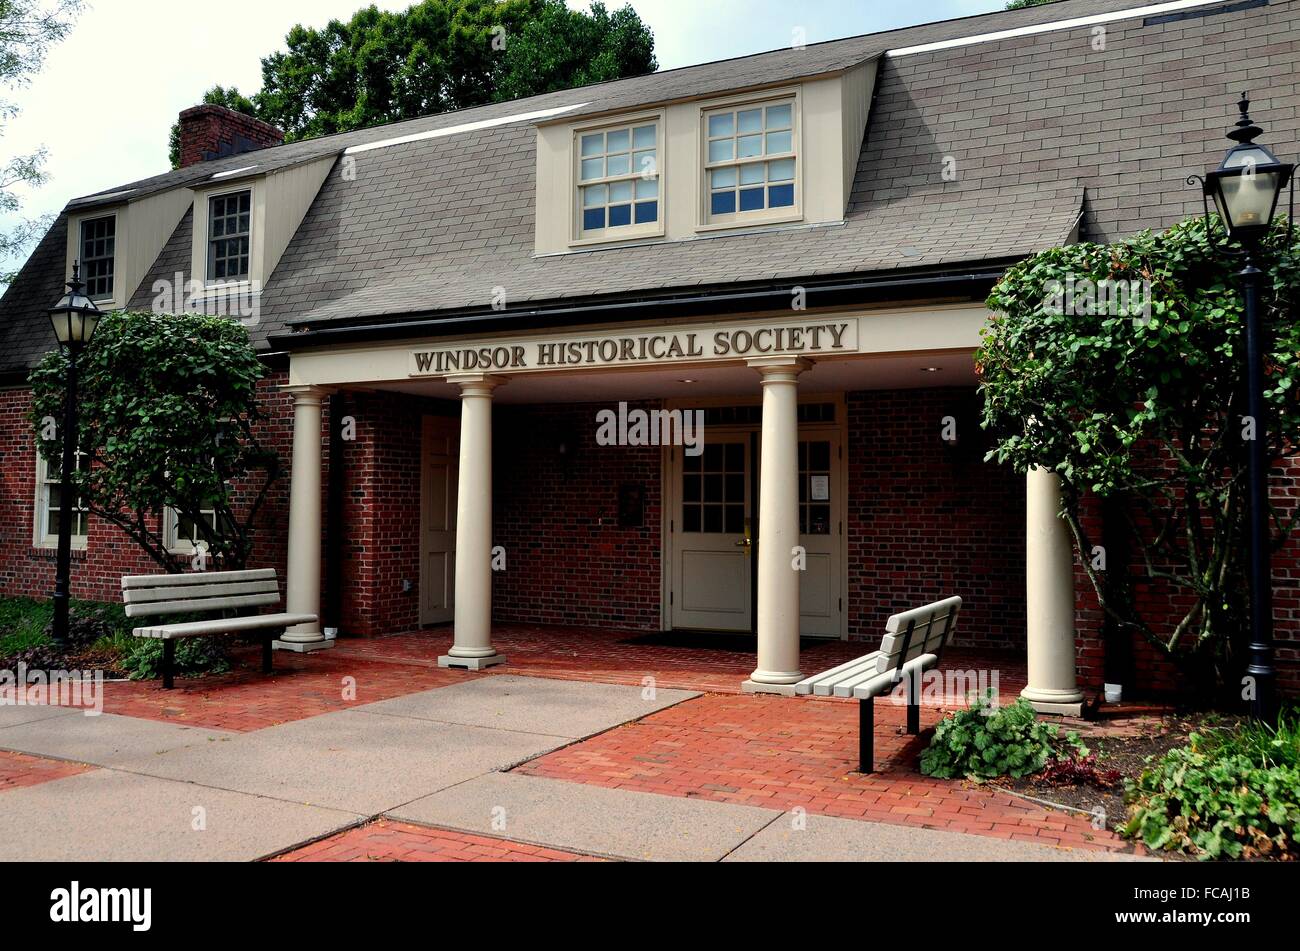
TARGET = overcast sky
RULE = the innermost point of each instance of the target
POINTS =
(108, 94)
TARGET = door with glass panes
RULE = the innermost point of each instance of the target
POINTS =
(712, 535)
(820, 524)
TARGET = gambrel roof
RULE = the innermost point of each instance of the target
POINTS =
(1042, 134)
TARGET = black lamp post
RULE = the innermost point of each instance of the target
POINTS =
(1246, 189)
(75, 318)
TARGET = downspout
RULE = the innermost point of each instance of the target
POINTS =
(332, 608)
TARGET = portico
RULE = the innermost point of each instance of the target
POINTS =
(776, 365)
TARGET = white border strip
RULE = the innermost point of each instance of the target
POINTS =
(98, 198)
(1129, 14)
(233, 171)
(464, 127)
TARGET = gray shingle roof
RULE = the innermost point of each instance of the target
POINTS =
(1039, 126)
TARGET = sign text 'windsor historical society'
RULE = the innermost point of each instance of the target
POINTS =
(720, 343)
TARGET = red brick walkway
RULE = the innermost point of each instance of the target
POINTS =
(303, 685)
(385, 841)
(783, 753)
(19, 769)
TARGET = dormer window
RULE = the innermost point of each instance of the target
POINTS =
(97, 251)
(618, 181)
(750, 162)
(230, 218)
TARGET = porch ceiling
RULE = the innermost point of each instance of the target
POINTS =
(894, 372)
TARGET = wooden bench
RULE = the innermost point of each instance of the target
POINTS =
(150, 595)
(913, 643)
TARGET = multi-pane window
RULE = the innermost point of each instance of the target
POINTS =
(229, 227)
(714, 490)
(50, 504)
(98, 248)
(750, 159)
(185, 533)
(815, 487)
(618, 177)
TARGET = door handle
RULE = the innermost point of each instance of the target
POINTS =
(743, 543)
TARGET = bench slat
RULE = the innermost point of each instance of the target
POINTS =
(827, 678)
(829, 688)
(203, 604)
(234, 625)
(885, 682)
(189, 592)
(197, 577)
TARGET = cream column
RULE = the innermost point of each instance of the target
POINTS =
(473, 610)
(1049, 599)
(303, 573)
(778, 529)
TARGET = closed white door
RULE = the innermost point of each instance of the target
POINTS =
(441, 454)
(712, 539)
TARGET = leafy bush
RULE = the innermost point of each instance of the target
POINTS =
(983, 742)
(1132, 397)
(194, 656)
(1225, 794)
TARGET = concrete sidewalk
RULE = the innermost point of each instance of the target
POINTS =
(171, 792)
(435, 758)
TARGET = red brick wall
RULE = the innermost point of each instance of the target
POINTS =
(109, 553)
(928, 520)
(567, 560)
(1164, 605)
(381, 513)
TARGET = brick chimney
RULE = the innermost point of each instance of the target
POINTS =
(209, 132)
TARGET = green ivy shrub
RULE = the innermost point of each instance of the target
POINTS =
(194, 656)
(983, 742)
(1224, 794)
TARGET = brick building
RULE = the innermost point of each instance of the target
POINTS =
(796, 245)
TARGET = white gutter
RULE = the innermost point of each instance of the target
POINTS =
(1152, 10)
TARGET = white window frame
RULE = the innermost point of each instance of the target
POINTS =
(174, 544)
(765, 216)
(80, 255)
(621, 233)
(209, 280)
(41, 538)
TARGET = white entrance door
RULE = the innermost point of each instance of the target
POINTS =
(712, 585)
(820, 499)
(441, 455)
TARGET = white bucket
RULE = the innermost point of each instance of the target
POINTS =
(1114, 693)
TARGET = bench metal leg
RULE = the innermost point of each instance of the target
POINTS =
(914, 703)
(266, 652)
(169, 658)
(866, 736)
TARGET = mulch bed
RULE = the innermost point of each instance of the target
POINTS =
(1125, 754)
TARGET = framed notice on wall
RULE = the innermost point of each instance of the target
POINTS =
(819, 488)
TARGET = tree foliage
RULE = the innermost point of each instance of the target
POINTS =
(1147, 408)
(433, 57)
(28, 29)
(167, 416)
